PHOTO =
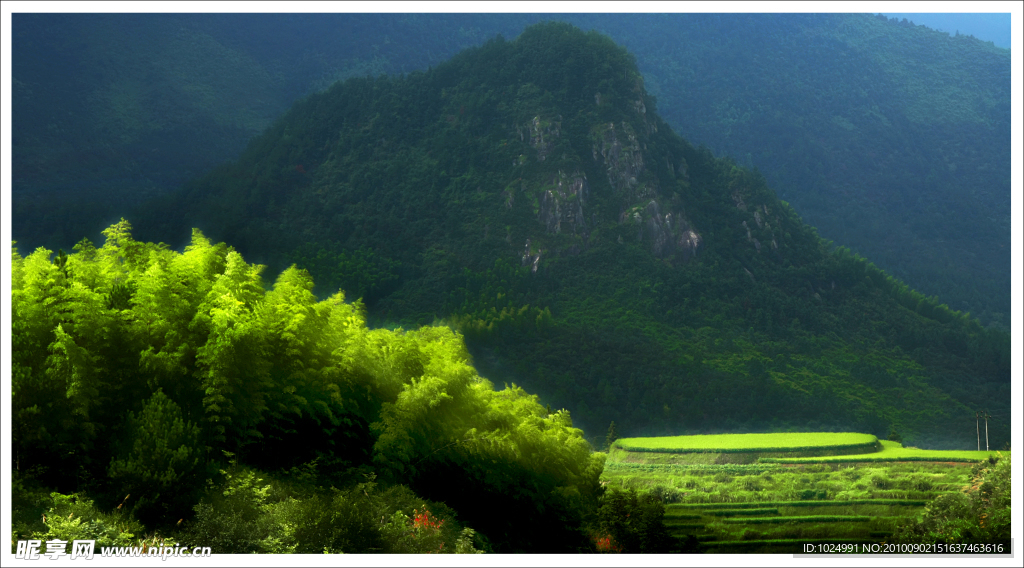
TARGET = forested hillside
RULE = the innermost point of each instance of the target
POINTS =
(892, 139)
(528, 194)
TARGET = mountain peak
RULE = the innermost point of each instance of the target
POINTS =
(526, 193)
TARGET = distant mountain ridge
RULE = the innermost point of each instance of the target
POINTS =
(884, 135)
(528, 194)
(890, 138)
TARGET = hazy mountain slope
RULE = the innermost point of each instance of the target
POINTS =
(115, 108)
(528, 192)
(892, 138)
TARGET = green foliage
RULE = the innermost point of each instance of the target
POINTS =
(493, 305)
(249, 513)
(162, 461)
(120, 296)
(73, 517)
(980, 513)
(610, 438)
(281, 378)
(424, 534)
(450, 434)
(361, 273)
(634, 522)
(243, 518)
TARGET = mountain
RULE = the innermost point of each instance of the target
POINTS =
(892, 139)
(888, 137)
(528, 194)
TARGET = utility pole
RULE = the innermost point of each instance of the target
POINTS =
(977, 427)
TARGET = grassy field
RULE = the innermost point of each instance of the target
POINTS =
(891, 451)
(752, 503)
(761, 443)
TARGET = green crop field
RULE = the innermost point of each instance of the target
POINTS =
(733, 498)
(801, 519)
(892, 451)
(727, 443)
(745, 512)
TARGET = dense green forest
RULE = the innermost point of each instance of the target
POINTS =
(892, 139)
(173, 369)
(528, 194)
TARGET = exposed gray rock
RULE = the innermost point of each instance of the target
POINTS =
(668, 233)
(620, 152)
(750, 274)
(688, 243)
(738, 200)
(562, 207)
(541, 134)
(530, 258)
(683, 169)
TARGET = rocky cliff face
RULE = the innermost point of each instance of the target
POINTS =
(561, 207)
(764, 228)
(541, 133)
(619, 151)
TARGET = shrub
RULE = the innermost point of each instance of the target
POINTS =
(73, 517)
(633, 522)
(240, 518)
(666, 494)
(252, 516)
(980, 513)
(750, 483)
(882, 482)
(161, 460)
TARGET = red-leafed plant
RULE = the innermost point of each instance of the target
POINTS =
(606, 544)
(425, 521)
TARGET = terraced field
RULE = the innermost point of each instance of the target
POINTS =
(764, 499)
(820, 442)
